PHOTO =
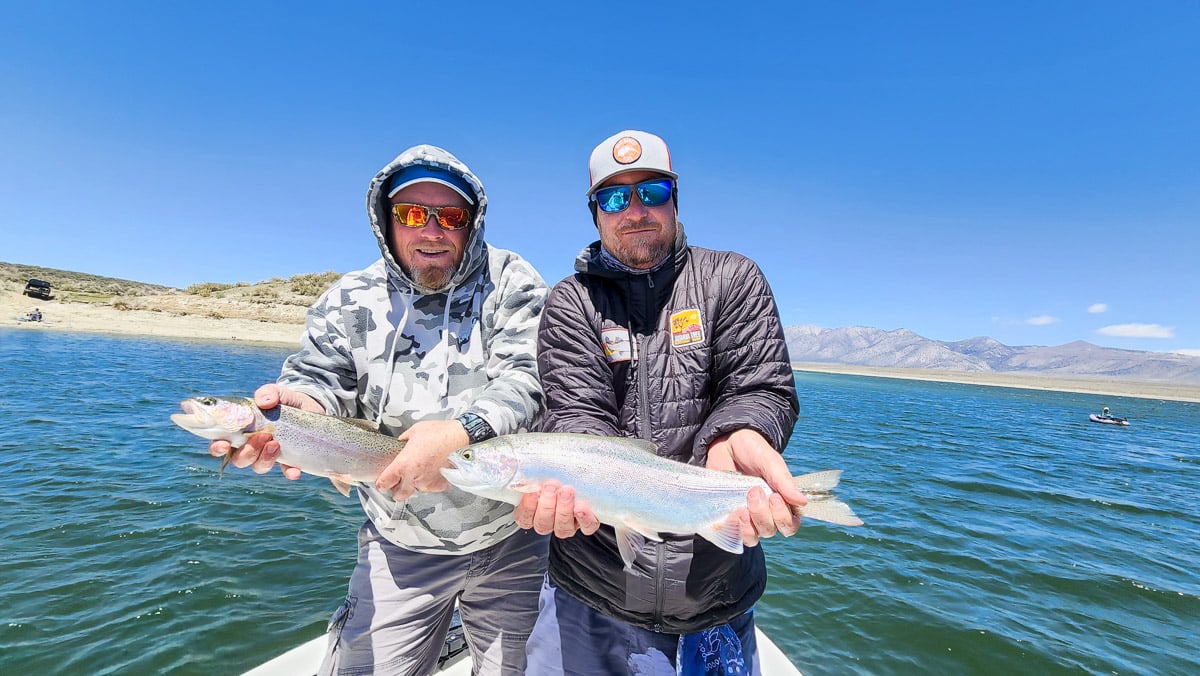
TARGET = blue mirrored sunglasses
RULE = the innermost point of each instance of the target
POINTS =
(651, 193)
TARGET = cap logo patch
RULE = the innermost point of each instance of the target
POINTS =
(627, 150)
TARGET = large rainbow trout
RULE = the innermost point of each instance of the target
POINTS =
(629, 487)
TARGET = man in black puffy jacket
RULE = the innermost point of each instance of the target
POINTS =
(681, 346)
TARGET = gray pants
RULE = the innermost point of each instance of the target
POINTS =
(398, 609)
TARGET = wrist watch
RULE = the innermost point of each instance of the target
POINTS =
(477, 428)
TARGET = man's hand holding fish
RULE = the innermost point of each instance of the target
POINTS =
(261, 451)
(418, 468)
(747, 452)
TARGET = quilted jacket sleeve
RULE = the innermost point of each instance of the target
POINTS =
(752, 380)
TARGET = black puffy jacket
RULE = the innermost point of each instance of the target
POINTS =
(680, 357)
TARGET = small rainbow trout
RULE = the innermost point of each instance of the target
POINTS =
(344, 450)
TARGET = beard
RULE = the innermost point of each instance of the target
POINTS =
(642, 250)
(432, 277)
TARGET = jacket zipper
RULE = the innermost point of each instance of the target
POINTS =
(647, 434)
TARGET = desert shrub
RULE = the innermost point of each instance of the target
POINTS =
(313, 284)
(206, 289)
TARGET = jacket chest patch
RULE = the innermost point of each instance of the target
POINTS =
(617, 345)
(686, 328)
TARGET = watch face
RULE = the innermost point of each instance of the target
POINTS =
(477, 428)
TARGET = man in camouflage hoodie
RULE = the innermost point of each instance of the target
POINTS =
(435, 342)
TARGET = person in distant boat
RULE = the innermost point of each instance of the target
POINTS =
(435, 342)
(656, 339)
(1104, 413)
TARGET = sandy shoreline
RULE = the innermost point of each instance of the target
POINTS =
(101, 318)
(1085, 385)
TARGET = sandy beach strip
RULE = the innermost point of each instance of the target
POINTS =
(106, 319)
(1104, 386)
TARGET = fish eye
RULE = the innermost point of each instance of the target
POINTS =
(468, 454)
(208, 401)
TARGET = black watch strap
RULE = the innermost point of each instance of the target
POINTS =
(477, 428)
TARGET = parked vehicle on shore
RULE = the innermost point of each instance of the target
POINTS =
(36, 288)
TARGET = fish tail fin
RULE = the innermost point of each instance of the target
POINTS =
(828, 508)
(225, 460)
(822, 506)
(818, 482)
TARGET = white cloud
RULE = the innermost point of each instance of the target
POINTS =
(1138, 331)
(1097, 308)
(1043, 320)
(1190, 353)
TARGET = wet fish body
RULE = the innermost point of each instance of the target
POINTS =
(629, 487)
(344, 450)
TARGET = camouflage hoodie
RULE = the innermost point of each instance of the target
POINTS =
(378, 346)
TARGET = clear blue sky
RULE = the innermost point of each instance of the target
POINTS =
(1026, 171)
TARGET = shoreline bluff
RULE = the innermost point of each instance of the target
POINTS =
(106, 319)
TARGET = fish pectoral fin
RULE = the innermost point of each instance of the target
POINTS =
(521, 484)
(343, 483)
(725, 534)
(628, 543)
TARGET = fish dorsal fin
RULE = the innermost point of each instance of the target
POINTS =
(725, 534)
(362, 424)
(628, 543)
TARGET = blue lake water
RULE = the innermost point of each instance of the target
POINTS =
(1005, 533)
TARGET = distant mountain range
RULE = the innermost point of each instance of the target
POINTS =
(863, 346)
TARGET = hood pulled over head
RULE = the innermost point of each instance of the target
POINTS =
(431, 160)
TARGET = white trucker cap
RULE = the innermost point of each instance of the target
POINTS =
(629, 150)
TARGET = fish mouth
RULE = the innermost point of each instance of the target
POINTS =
(460, 479)
(193, 416)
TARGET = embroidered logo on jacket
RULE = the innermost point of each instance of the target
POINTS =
(686, 328)
(617, 346)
